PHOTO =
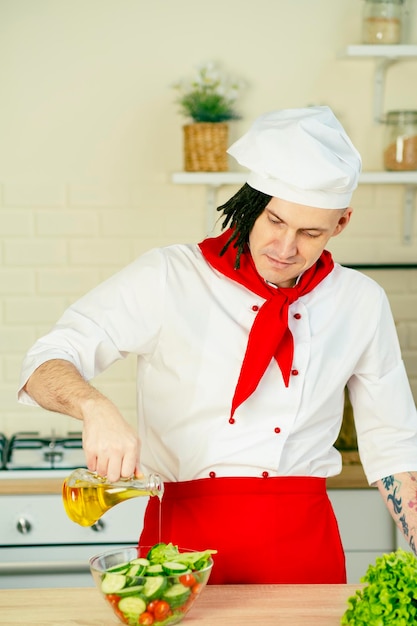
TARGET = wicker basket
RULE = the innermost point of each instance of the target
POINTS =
(205, 146)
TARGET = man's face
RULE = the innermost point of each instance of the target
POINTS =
(288, 238)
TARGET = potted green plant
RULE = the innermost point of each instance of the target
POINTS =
(208, 100)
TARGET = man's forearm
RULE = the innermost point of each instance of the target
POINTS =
(110, 444)
(58, 386)
(399, 492)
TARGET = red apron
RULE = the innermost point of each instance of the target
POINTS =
(265, 530)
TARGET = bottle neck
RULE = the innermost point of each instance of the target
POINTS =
(152, 483)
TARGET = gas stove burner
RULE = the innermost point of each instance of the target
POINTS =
(30, 450)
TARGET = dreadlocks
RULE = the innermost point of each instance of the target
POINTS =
(241, 212)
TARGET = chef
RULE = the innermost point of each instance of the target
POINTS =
(245, 344)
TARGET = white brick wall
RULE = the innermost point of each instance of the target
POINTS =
(90, 134)
(401, 287)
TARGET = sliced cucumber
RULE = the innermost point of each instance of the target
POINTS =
(140, 561)
(131, 591)
(123, 567)
(154, 587)
(170, 567)
(112, 582)
(176, 595)
(154, 570)
(132, 605)
(136, 570)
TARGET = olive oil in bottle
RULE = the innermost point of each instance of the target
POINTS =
(87, 496)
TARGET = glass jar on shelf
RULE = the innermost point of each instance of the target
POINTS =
(400, 141)
(382, 21)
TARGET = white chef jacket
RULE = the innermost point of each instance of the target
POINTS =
(188, 325)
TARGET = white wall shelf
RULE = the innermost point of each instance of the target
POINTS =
(218, 179)
(385, 56)
(214, 180)
(402, 51)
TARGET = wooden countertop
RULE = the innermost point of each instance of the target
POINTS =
(351, 477)
(227, 605)
(22, 486)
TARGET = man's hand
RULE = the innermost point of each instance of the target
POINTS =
(110, 444)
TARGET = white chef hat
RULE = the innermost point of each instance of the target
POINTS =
(300, 155)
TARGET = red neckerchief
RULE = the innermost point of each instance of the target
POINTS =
(270, 336)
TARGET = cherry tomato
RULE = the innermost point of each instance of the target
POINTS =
(113, 598)
(188, 580)
(151, 606)
(161, 610)
(146, 619)
(196, 588)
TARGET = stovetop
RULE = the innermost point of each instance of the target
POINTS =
(28, 451)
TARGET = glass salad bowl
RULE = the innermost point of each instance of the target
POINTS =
(154, 585)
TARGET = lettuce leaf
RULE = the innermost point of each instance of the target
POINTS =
(390, 597)
(162, 552)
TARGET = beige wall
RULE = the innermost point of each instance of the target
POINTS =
(90, 133)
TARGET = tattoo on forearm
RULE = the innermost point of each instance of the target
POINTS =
(395, 498)
(404, 526)
(396, 501)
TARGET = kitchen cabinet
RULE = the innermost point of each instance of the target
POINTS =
(41, 547)
(366, 527)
